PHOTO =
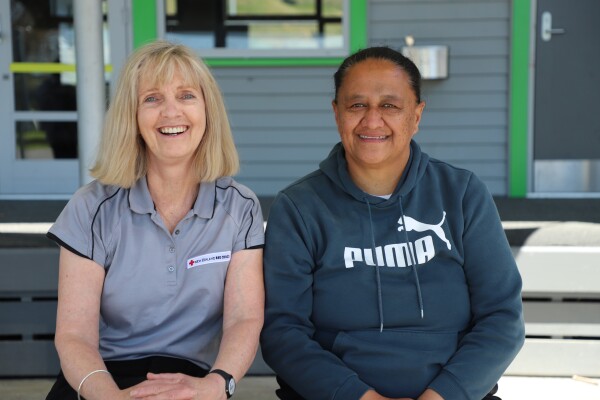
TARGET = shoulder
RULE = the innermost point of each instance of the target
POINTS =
(306, 186)
(448, 170)
(236, 198)
(89, 199)
(459, 179)
(92, 212)
(229, 190)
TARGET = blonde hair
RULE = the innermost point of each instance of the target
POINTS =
(121, 158)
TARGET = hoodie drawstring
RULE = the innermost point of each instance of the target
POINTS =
(412, 260)
(377, 276)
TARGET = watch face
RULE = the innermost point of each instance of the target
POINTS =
(231, 387)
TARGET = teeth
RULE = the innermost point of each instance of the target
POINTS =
(372, 137)
(173, 130)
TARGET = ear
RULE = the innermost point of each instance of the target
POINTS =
(418, 113)
(334, 105)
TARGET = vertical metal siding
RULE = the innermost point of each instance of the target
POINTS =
(281, 120)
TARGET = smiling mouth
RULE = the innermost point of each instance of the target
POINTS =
(365, 137)
(173, 130)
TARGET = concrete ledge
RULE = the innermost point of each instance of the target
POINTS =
(559, 271)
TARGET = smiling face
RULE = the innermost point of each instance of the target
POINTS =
(377, 114)
(172, 120)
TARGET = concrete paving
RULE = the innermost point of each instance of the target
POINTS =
(263, 387)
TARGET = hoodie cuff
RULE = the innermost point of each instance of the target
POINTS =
(353, 388)
(446, 385)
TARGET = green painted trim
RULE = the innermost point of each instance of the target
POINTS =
(45, 68)
(273, 62)
(519, 99)
(358, 25)
(144, 21)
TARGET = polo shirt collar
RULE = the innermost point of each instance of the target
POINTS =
(140, 200)
(205, 202)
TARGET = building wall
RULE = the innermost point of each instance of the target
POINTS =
(282, 122)
(282, 118)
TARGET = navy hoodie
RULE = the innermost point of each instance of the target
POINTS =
(401, 294)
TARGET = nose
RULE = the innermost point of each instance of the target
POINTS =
(170, 107)
(373, 118)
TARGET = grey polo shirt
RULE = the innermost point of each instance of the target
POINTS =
(163, 293)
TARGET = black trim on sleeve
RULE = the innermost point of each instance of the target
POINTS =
(56, 239)
(94, 219)
(258, 246)
(244, 197)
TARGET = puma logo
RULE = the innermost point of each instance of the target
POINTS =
(417, 226)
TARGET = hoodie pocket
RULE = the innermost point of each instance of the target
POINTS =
(396, 363)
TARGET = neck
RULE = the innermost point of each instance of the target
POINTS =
(173, 191)
(375, 181)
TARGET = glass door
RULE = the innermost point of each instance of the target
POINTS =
(38, 133)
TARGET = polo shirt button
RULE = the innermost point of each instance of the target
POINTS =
(171, 268)
(172, 249)
(177, 232)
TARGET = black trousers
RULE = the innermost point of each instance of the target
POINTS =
(130, 373)
(285, 392)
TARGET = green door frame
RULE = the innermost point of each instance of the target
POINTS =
(519, 99)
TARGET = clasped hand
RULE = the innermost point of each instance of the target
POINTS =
(429, 394)
(179, 387)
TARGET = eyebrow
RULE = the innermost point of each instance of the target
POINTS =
(386, 97)
(157, 88)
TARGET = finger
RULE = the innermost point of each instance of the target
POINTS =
(148, 388)
(165, 377)
(179, 393)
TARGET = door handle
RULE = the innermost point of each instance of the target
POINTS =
(547, 30)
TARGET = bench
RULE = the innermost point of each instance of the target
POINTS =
(561, 298)
(561, 302)
(28, 298)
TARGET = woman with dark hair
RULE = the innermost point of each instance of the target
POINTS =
(387, 273)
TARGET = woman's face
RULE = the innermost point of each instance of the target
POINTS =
(377, 115)
(172, 120)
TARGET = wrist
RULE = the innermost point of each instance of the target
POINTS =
(370, 395)
(430, 394)
(228, 379)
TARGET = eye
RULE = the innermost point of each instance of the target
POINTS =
(188, 96)
(357, 105)
(388, 105)
(150, 99)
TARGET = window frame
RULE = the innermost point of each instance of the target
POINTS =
(148, 24)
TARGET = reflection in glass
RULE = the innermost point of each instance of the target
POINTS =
(44, 92)
(43, 32)
(46, 140)
(256, 24)
(35, 28)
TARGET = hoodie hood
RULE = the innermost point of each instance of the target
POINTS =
(335, 168)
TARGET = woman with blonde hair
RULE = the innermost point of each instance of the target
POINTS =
(160, 278)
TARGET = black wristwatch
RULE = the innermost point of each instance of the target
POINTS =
(229, 381)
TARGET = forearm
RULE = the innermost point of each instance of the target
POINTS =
(78, 358)
(238, 346)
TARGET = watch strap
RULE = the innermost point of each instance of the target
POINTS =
(228, 378)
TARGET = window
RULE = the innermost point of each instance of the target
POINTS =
(258, 28)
